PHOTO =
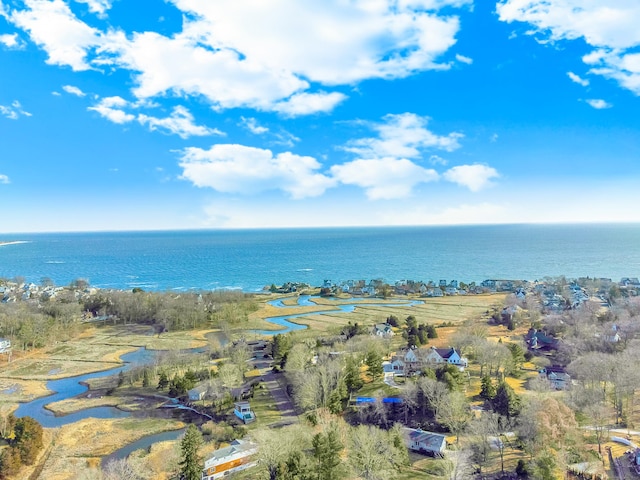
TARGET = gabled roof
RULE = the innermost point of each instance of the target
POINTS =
(429, 440)
(237, 446)
(382, 327)
(444, 352)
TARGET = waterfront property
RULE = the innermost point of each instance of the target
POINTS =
(238, 456)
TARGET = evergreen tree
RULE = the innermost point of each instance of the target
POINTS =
(431, 331)
(506, 402)
(163, 381)
(190, 465)
(326, 451)
(517, 354)
(352, 379)
(335, 402)
(145, 378)
(411, 322)
(423, 335)
(487, 390)
(374, 362)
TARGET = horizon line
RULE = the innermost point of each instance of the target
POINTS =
(318, 227)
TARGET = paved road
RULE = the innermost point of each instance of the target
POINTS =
(277, 391)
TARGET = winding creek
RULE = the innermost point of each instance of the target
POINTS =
(346, 306)
(72, 386)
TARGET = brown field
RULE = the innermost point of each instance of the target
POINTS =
(17, 391)
(77, 445)
(455, 310)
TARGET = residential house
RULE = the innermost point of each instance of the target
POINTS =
(243, 411)
(538, 340)
(558, 378)
(445, 355)
(398, 367)
(425, 442)
(451, 290)
(5, 345)
(198, 392)
(382, 330)
(238, 456)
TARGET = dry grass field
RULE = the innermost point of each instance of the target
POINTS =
(78, 446)
(454, 310)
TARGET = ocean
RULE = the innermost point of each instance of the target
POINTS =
(250, 259)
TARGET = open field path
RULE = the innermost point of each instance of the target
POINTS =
(281, 399)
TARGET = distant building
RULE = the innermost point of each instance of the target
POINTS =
(382, 330)
(238, 456)
(5, 345)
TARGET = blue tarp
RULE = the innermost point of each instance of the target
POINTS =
(384, 400)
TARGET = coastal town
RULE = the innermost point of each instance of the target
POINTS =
(413, 379)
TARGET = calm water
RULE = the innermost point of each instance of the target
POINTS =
(250, 259)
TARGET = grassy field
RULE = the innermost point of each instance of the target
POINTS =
(454, 310)
(78, 446)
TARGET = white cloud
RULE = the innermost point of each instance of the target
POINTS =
(402, 136)
(13, 111)
(622, 67)
(111, 108)
(273, 56)
(576, 79)
(180, 122)
(611, 26)
(437, 160)
(598, 103)
(251, 124)
(97, 6)
(73, 90)
(494, 138)
(474, 177)
(463, 59)
(11, 41)
(233, 168)
(384, 178)
(285, 139)
(4, 179)
(601, 23)
(52, 26)
(307, 103)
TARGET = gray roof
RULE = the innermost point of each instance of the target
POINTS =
(236, 446)
(429, 440)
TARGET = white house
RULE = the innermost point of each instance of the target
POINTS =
(445, 355)
(382, 330)
(238, 456)
(425, 442)
(5, 345)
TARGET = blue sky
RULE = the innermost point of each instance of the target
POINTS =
(150, 114)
